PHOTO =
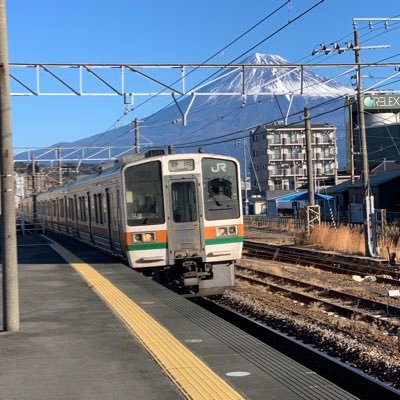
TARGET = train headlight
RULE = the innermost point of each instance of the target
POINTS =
(145, 237)
(221, 231)
(225, 231)
(149, 237)
(232, 230)
(137, 237)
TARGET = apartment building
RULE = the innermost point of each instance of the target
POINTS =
(279, 156)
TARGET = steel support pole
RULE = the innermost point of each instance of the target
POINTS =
(60, 177)
(137, 140)
(8, 232)
(351, 138)
(309, 155)
(246, 199)
(34, 191)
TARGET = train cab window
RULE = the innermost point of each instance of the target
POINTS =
(143, 194)
(184, 203)
(220, 186)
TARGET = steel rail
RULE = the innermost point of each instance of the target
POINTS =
(331, 262)
(345, 311)
(349, 378)
(361, 301)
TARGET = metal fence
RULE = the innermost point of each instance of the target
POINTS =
(289, 223)
(278, 223)
(27, 225)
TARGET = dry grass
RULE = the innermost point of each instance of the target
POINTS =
(391, 240)
(351, 240)
(343, 239)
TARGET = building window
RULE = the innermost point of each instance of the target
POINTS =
(276, 154)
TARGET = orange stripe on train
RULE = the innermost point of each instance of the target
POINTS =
(209, 231)
(161, 236)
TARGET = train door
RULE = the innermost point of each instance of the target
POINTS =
(184, 228)
(109, 206)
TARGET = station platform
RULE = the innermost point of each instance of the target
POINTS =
(92, 328)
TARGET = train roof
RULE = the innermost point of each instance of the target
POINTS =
(108, 170)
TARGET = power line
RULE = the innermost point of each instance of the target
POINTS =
(209, 58)
(262, 41)
(247, 51)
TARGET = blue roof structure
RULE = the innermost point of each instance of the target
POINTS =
(303, 196)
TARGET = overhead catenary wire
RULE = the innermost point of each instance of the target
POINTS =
(210, 58)
(193, 110)
(271, 122)
(221, 118)
(262, 41)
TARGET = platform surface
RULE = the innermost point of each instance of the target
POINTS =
(72, 346)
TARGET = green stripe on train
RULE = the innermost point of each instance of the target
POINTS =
(223, 240)
(145, 246)
(151, 246)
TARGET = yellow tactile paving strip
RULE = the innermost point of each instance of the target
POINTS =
(194, 378)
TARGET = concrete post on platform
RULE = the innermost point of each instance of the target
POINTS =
(8, 231)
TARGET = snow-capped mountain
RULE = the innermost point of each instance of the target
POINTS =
(277, 80)
(213, 120)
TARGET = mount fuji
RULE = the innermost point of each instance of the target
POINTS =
(215, 122)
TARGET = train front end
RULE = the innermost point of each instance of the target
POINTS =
(184, 220)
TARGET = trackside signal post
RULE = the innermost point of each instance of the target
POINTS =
(8, 226)
(313, 211)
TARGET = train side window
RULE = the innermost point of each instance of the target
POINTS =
(96, 209)
(82, 208)
(61, 207)
(143, 194)
(71, 213)
(54, 208)
(100, 208)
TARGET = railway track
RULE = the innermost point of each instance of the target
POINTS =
(349, 378)
(325, 261)
(344, 304)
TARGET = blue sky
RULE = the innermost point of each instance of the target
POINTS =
(159, 31)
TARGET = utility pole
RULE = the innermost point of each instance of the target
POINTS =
(351, 138)
(368, 199)
(309, 155)
(137, 145)
(11, 319)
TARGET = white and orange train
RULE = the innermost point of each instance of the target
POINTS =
(177, 215)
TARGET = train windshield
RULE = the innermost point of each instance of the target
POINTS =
(143, 194)
(221, 199)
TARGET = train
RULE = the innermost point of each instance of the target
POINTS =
(176, 217)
